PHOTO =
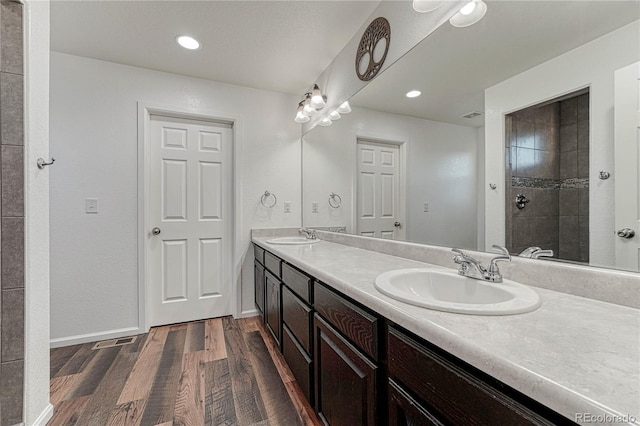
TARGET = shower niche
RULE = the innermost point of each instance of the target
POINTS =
(547, 178)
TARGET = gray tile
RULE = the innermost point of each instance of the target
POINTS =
(513, 157)
(527, 114)
(11, 392)
(583, 107)
(569, 201)
(546, 230)
(583, 203)
(12, 181)
(583, 135)
(547, 202)
(568, 164)
(546, 138)
(547, 164)
(11, 109)
(568, 111)
(508, 131)
(525, 134)
(546, 115)
(584, 253)
(11, 43)
(584, 229)
(569, 252)
(568, 137)
(12, 333)
(12, 253)
(583, 163)
(523, 232)
(525, 162)
(569, 230)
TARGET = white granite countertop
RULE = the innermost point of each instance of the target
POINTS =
(573, 354)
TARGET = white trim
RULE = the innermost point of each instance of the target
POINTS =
(44, 417)
(249, 313)
(145, 110)
(402, 146)
(95, 337)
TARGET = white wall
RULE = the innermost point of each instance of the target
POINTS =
(94, 275)
(36, 390)
(481, 189)
(590, 65)
(441, 170)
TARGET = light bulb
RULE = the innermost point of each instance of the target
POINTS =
(317, 101)
(300, 116)
(469, 14)
(423, 6)
(344, 108)
(308, 109)
(335, 115)
(413, 94)
(468, 8)
(325, 122)
(188, 42)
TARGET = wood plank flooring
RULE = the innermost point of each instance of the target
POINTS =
(214, 372)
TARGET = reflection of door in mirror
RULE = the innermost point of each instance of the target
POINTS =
(379, 211)
(547, 178)
(627, 161)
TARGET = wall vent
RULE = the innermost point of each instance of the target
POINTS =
(472, 114)
(114, 342)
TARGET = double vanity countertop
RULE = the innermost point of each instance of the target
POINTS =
(578, 356)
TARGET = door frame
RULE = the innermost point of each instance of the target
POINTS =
(402, 158)
(145, 111)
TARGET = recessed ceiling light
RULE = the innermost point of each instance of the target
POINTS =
(188, 42)
(413, 94)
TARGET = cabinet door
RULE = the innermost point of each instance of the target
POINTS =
(406, 411)
(272, 303)
(259, 286)
(346, 380)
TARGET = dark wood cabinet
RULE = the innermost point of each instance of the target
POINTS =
(298, 361)
(404, 410)
(345, 379)
(272, 305)
(258, 277)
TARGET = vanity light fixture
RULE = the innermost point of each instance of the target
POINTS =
(344, 108)
(325, 122)
(187, 42)
(424, 6)
(317, 99)
(335, 115)
(413, 94)
(300, 115)
(469, 14)
(308, 109)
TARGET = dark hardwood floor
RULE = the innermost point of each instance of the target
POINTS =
(215, 372)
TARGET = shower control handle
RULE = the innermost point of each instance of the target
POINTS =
(156, 231)
(396, 224)
(626, 233)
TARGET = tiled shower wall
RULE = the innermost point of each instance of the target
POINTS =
(12, 213)
(547, 160)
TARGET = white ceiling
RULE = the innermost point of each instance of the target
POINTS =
(281, 46)
(453, 66)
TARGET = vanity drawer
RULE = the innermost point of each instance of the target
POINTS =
(297, 281)
(449, 392)
(298, 317)
(299, 363)
(258, 253)
(273, 264)
(359, 326)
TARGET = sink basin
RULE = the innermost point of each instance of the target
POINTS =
(292, 241)
(445, 290)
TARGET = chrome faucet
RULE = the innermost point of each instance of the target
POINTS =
(470, 267)
(309, 233)
(535, 253)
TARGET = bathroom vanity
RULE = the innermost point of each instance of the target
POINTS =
(361, 357)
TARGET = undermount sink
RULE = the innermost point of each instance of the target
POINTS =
(292, 241)
(445, 290)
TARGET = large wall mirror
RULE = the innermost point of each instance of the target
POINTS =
(525, 135)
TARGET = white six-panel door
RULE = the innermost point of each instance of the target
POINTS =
(190, 224)
(627, 165)
(378, 207)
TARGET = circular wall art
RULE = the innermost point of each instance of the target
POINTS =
(373, 49)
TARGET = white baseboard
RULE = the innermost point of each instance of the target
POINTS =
(250, 313)
(94, 337)
(45, 416)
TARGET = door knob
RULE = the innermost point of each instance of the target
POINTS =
(156, 231)
(396, 224)
(626, 233)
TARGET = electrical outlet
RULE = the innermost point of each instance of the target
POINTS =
(287, 206)
(314, 207)
(91, 205)
(426, 207)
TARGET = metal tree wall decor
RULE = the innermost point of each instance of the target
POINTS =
(375, 33)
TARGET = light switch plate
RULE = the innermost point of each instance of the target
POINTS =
(314, 207)
(91, 205)
(426, 207)
(287, 206)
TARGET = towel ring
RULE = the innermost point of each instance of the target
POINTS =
(265, 197)
(332, 200)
